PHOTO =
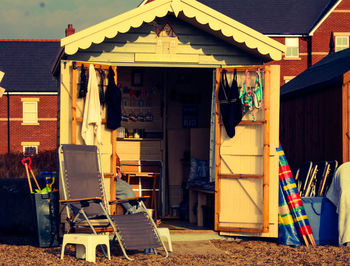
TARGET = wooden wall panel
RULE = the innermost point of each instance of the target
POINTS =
(311, 126)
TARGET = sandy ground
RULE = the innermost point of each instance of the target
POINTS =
(21, 251)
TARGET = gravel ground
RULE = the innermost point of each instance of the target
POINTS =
(21, 251)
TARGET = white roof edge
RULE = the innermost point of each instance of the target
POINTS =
(191, 9)
(324, 18)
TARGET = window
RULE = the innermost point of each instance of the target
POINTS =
(30, 148)
(292, 45)
(341, 43)
(30, 110)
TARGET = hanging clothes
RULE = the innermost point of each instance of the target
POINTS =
(101, 92)
(91, 127)
(83, 83)
(113, 99)
(230, 105)
(258, 93)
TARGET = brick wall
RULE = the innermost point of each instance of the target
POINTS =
(45, 133)
(337, 21)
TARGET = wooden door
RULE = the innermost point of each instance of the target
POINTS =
(246, 166)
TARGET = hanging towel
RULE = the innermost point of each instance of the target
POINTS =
(339, 194)
(91, 128)
(113, 101)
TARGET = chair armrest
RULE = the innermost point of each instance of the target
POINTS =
(119, 201)
(94, 199)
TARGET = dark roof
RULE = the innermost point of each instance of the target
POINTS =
(27, 65)
(331, 68)
(281, 17)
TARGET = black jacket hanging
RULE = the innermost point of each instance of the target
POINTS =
(101, 91)
(113, 101)
(83, 83)
(230, 105)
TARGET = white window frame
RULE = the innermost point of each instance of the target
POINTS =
(34, 145)
(26, 102)
(341, 42)
(292, 45)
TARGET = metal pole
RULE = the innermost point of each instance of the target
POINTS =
(8, 123)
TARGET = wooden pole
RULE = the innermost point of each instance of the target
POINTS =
(74, 105)
(28, 177)
(345, 114)
(113, 182)
(266, 149)
(217, 152)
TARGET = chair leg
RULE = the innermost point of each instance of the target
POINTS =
(121, 246)
(62, 250)
(91, 253)
(164, 232)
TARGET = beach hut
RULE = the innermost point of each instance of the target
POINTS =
(167, 58)
(315, 112)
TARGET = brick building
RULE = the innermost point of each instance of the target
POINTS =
(304, 27)
(28, 108)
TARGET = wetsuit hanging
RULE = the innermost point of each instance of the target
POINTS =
(101, 91)
(230, 105)
(83, 83)
(113, 101)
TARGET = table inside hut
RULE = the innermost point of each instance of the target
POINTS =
(146, 177)
(200, 201)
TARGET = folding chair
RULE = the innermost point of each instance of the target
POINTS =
(309, 182)
(327, 180)
(87, 207)
(302, 175)
(322, 172)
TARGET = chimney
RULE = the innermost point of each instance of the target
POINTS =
(70, 30)
(331, 44)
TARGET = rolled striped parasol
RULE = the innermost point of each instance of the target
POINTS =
(292, 196)
(287, 232)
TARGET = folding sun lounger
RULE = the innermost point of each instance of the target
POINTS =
(302, 176)
(87, 207)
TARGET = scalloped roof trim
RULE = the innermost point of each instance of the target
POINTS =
(134, 18)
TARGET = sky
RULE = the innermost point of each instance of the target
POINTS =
(48, 19)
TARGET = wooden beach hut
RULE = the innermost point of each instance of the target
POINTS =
(167, 57)
(315, 112)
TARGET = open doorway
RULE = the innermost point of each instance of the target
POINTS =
(176, 134)
(188, 94)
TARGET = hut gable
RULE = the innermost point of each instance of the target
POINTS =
(158, 43)
(167, 40)
(190, 11)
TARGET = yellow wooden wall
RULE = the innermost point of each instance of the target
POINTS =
(65, 120)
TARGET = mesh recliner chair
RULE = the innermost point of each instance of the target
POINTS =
(84, 195)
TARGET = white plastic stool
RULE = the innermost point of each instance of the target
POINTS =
(85, 245)
(165, 233)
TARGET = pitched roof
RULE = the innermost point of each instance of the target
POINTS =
(190, 11)
(329, 69)
(27, 65)
(274, 17)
